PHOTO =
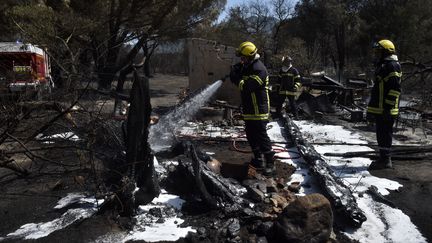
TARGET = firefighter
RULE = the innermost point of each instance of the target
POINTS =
(289, 81)
(251, 77)
(384, 100)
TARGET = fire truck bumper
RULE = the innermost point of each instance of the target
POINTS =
(17, 87)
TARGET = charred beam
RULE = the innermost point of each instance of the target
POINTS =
(217, 191)
(337, 192)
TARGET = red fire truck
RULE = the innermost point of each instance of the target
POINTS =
(24, 68)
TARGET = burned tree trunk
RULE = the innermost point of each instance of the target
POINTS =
(138, 153)
(120, 88)
(337, 192)
(192, 175)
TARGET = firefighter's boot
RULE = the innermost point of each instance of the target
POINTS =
(257, 162)
(270, 169)
(384, 162)
(388, 163)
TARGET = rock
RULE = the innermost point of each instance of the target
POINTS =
(234, 228)
(280, 200)
(280, 183)
(154, 120)
(160, 221)
(294, 186)
(214, 165)
(287, 194)
(255, 194)
(274, 202)
(260, 185)
(307, 219)
(157, 212)
(267, 216)
(277, 210)
(271, 185)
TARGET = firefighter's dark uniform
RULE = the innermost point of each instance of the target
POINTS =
(252, 80)
(289, 82)
(384, 101)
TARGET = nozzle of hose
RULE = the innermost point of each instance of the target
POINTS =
(225, 77)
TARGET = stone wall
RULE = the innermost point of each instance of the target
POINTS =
(208, 62)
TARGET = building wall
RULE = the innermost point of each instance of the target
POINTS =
(208, 62)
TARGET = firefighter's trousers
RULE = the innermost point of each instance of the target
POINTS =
(384, 133)
(292, 103)
(256, 134)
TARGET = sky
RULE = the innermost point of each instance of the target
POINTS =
(232, 3)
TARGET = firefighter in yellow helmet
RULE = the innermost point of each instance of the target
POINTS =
(384, 100)
(289, 81)
(251, 77)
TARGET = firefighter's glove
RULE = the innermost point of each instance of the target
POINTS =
(236, 73)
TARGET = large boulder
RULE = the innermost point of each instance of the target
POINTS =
(307, 219)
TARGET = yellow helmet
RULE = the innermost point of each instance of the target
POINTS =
(247, 49)
(386, 45)
(286, 60)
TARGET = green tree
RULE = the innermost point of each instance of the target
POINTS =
(95, 32)
(406, 23)
(330, 26)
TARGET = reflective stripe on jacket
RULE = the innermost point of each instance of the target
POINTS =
(252, 81)
(289, 81)
(386, 90)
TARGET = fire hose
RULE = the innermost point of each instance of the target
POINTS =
(276, 148)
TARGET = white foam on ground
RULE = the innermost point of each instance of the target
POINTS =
(148, 229)
(39, 230)
(169, 199)
(66, 136)
(79, 198)
(383, 224)
(167, 231)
